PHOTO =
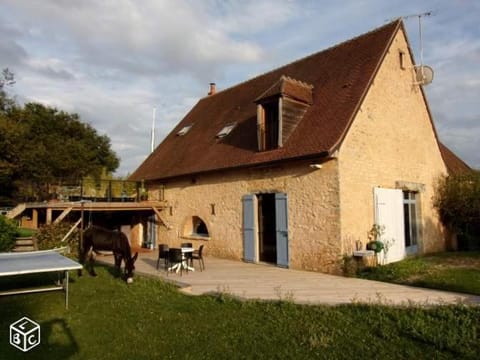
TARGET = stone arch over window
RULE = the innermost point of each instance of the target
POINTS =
(195, 227)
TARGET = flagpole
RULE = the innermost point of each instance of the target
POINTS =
(152, 139)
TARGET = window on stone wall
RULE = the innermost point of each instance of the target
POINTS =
(199, 227)
(411, 219)
(401, 58)
(268, 125)
(195, 227)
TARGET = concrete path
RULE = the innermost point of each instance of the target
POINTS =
(258, 281)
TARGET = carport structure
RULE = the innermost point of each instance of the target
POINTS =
(138, 220)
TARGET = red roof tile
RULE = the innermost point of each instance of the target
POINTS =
(340, 77)
(294, 89)
(455, 165)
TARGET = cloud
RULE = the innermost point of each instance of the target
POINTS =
(51, 68)
(145, 38)
(112, 61)
(11, 53)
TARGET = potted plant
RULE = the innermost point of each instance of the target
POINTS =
(143, 192)
(374, 236)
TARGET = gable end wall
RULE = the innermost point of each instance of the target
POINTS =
(391, 139)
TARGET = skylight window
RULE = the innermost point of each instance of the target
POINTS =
(227, 129)
(184, 130)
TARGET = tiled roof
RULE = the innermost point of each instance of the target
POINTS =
(455, 166)
(297, 90)
(340, 77)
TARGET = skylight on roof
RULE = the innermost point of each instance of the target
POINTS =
(227, 129)
(184, 130)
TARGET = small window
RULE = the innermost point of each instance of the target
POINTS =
(268, 125)
(401, 57)
(199, 227)
(411, 219)
(195, 228)
(184, 130)
(271, 125)
(227, 129)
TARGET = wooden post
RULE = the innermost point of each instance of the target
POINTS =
(80, 245)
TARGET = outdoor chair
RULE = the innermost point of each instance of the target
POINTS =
(198, 255)
(163, 254)
(175, 257)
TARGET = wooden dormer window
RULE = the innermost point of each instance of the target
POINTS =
(279, 110)
(268, 122)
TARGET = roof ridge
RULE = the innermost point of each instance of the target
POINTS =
(398, 21)
(297, 82)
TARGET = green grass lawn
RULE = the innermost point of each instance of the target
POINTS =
(150, 319)
(453, 271)
(23, 232)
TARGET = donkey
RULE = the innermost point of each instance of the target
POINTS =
(96, 239)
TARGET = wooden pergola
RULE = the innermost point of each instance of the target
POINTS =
(55, 211)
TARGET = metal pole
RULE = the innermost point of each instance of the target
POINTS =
(80, 244)
(66, 289)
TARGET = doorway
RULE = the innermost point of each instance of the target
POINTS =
(265, 228)
(398, 212)
(267, 243)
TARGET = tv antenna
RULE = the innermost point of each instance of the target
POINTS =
(423, 73)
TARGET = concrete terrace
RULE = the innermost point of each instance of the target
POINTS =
(267, 282)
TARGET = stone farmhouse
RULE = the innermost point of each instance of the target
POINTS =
(294, 166)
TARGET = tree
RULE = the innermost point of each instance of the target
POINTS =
(57, 147)
(458, 203)
(42, 145)
(8, 233)
(6, 79)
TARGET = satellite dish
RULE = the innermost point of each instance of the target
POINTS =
(423, 74)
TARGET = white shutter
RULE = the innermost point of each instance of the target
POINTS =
(389, 213)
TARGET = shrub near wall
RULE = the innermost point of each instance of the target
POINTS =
(8, 233)
(50, 237)
(458, 203)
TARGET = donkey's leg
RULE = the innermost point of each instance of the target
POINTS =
(91, 262)
(118, 263)
(81, 260)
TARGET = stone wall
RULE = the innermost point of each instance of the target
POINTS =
(392, 139)
(312, 211)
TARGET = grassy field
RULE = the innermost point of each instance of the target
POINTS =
(150, 319)
(453, 271)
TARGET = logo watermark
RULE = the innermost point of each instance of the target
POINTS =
(24, 334)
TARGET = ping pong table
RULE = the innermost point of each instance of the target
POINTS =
(33, 262)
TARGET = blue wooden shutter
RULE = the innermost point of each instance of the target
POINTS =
(249, 228)
(281, 219)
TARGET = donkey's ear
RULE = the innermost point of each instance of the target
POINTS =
(135, 256)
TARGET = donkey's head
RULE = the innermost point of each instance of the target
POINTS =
(130, 266)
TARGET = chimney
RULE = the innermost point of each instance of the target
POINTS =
(212, 89)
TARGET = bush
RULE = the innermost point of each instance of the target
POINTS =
(8, 233)
(50, 237)
(376, 246)
(349, 266)
(458, 203)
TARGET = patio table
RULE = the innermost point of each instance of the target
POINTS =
(33, 262)
(184, 263)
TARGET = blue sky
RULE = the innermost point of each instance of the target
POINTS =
(113, 61)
